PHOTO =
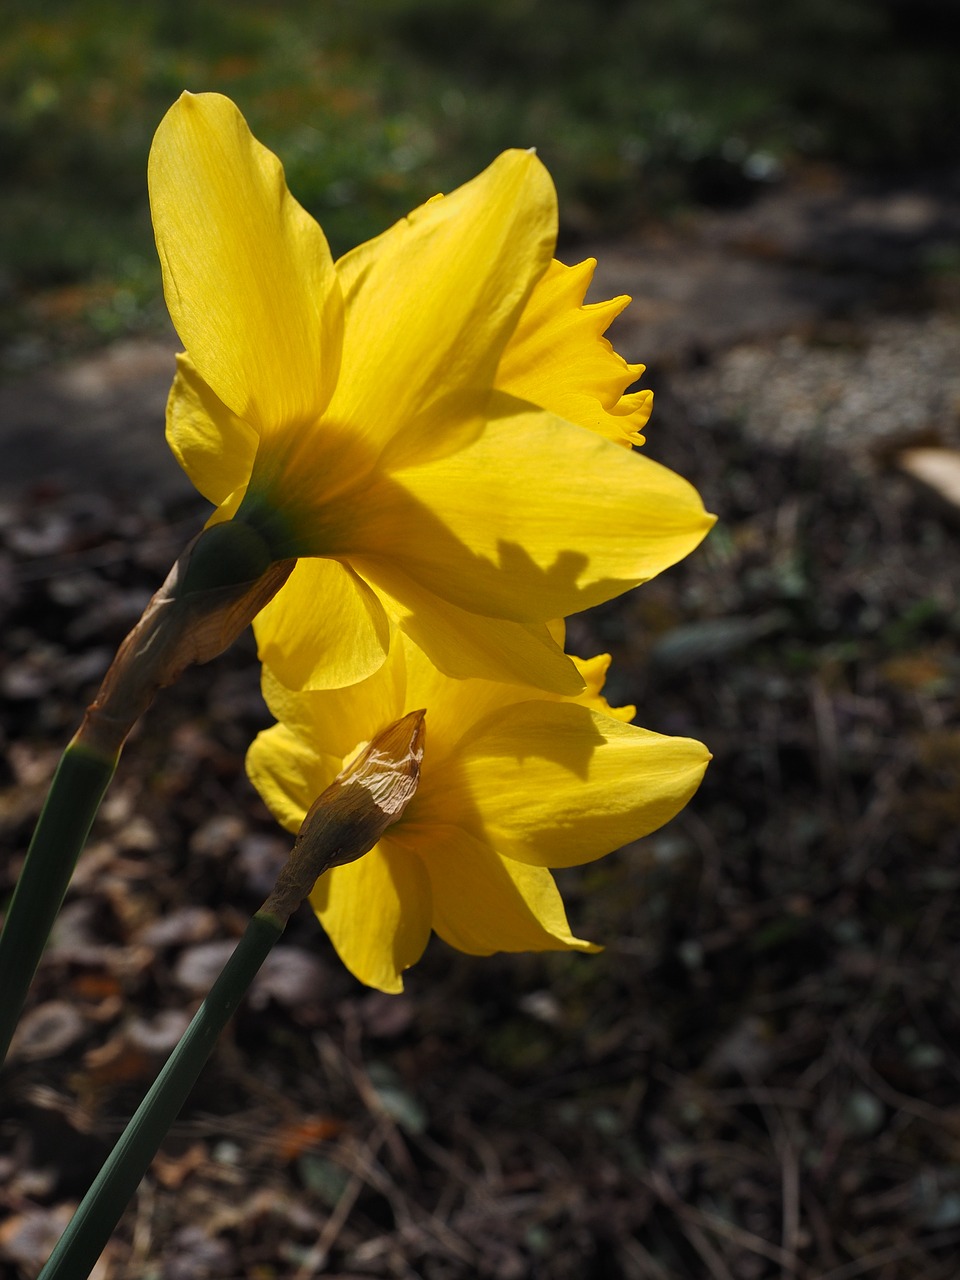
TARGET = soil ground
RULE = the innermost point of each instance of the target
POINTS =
(759, 1076)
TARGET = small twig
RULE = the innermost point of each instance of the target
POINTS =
(789, 1177)
(660, 1184)
(942, 1119)
(895, 1253)
(645, 1260)
(142, 1227)
(790, 1197)
(316, 1259)
(694, 1217)
(359, 1077)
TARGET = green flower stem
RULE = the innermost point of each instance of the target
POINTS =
(75, 793)
(102, 1207)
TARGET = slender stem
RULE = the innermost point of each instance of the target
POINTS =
(342, 825)
(75, 793)
(102, 1207)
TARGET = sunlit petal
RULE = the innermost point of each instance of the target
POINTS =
(536, 519)
(215, 448)
(290, 772)
(248, 277)
(465, 645)
(325, 627)
(430, 303)
(336, 720)
(556, 784)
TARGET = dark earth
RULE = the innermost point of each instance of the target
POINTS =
(759, 1076)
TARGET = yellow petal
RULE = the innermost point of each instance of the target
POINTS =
(555, 784)
(430, 303)
(337, 720)
(484, 903)
(289, 771)
(247, 273)
(465, 645)
(559, 359)
(594, 672)
(325, 628)
(534, 520)
(454, 706)
(215, 448)
(377, 914)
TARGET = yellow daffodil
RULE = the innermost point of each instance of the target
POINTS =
(512, 781)
(408, 421)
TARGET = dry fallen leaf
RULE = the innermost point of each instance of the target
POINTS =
(198, 967)
(48, 1030)
(937, 471)
(171, 1171)
(292, 1140)
(292, 976)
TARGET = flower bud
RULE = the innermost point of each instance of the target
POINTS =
(350, 816)
(223, 555)
(216, 588)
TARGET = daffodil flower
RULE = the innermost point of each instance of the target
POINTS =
(408, 421)
(512, 781)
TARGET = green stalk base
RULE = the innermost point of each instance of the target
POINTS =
(102, 1207)
(62, 829)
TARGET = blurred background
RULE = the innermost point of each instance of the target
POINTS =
(637, 109)
(759, 1076)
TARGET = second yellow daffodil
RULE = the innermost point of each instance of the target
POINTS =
(409, 421)
(512, 781)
